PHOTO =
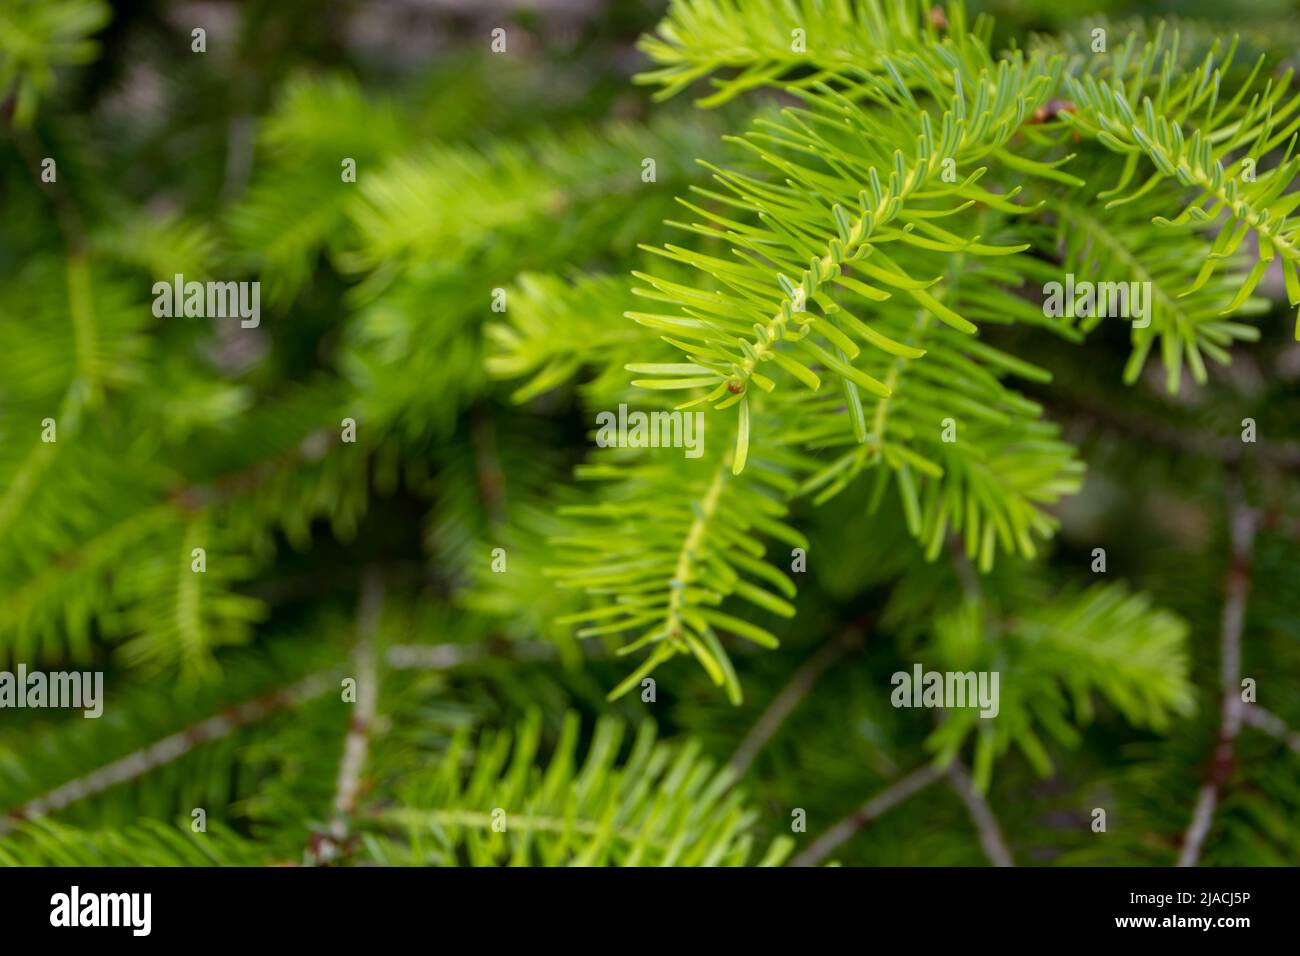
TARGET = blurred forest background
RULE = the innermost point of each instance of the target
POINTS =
(328, 560)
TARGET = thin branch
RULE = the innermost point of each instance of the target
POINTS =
(66, 212)
(800, 685)
(967, 576)
(1271, 724)
(356, 745)
(981, 814)
(882, 802)
(440, 657)
(406, 817)
(171, 748)
(487, 466)
(239, 155)
(1242, 524)
(1201, 443)
(177, 745)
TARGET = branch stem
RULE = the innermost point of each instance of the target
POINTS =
(877, 806)
(1242, 522)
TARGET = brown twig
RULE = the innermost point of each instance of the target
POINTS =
(882, 802)
(170, 748)
(356, 745)
(1242, 522)
(487, 466)
(439, 657)
(793, 694)
(66, 213)
(981, 814)
(1202, 444)
(1271, 724)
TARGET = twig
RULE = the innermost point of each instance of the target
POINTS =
(882, 802)
(177, 745)
(1271, 724)
(1200, 443)
(66, 212)
(487, 466)
(1242, 522)
(440, 657)
(800, 685)
(967, 576)
(356, 745)
(981, 814)
(239, 155)
(171, 748)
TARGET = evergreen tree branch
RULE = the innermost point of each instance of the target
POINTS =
(495, 803)
(852, 181)
(673, 538)
(1140, 121)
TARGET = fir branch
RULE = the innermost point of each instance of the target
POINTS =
(1186, 326)
(554, 328)
(45, 842)
(1053, 655)
(38, 35)
(1133, 123)
(454, 202)
(847, 188)
(756, 38)
(671, 539)
(661, 805)
(868, 232)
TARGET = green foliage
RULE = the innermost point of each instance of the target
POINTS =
(757, 40)
(1052, 658)
(36, 37)
(1185, 329)
(152, 843)
(660, 806)
(663, 573)
(1187, 129)
(836, 258)
(854, 181)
